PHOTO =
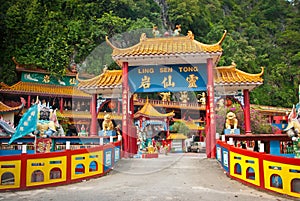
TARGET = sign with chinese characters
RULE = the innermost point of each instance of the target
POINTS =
(48, 79)
(158, 78)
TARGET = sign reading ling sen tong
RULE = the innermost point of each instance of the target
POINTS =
(159, 78)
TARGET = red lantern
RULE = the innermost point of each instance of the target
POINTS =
(112, 105)
(228, 102)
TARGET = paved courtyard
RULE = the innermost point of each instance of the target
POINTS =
(177, 177)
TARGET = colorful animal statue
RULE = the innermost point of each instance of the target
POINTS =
(155, 32)
(231, 121)
(177, 30)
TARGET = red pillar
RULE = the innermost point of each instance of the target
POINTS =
(247, 111)
(132, 131)
(61, 105)
(28, 101)
(93, 128)
(211, 134)
(207, 128)
(125, 99)
(168, 127)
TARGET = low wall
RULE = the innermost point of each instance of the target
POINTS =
(25, 171)
(273, 173)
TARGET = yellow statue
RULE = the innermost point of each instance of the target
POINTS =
(202, 99)
(165, 96)
(231, 121)
(107, 124)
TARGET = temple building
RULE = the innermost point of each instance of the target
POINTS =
(171, 64)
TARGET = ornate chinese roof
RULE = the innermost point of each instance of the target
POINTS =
(229, 78)
(43, 89)
(176, 136)
(170, 50)
(109, 79)
(226, 78)
(275, 111)
(149, 111)
(190, 124)
(86, 115)
(5, 108)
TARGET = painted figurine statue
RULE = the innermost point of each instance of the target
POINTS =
(293, 129)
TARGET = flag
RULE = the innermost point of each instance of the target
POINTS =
(27, 124)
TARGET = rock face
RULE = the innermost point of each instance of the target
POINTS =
(164, 13)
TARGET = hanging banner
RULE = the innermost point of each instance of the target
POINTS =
(159, 78)
(48, 79)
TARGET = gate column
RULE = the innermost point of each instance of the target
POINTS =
(125, 104)
(210, 117)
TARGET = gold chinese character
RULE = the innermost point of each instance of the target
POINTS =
(46, 79)
(72, 81)
(145, 82)
(167, 82)
(192, 80)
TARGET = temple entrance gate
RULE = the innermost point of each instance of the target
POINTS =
(167, 64)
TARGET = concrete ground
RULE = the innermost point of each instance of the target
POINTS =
(179, 177)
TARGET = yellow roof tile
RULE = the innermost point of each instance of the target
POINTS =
(149, 111)
(190, 124)
(229, 74)
(5, 108)
(166, 46)
(108, 79)
(223, 75)
(176, 136)
(86, 115)
(44, 89)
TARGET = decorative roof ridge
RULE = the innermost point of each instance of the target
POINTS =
(233, 67)
(144, 38)
(34, 83)
(3, 85)
(222, 38)
(98, 76)
(5, 107)
(252, 75)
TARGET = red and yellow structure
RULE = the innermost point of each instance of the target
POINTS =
(26, 171)
(261, 170)
(162, 55)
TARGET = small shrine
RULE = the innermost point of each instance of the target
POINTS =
(149, 123)
(7, 114)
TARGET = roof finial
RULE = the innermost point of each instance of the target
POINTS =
(143, 37)
(155, 32)
(105, 68)
(177, 30)
(190, 35)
